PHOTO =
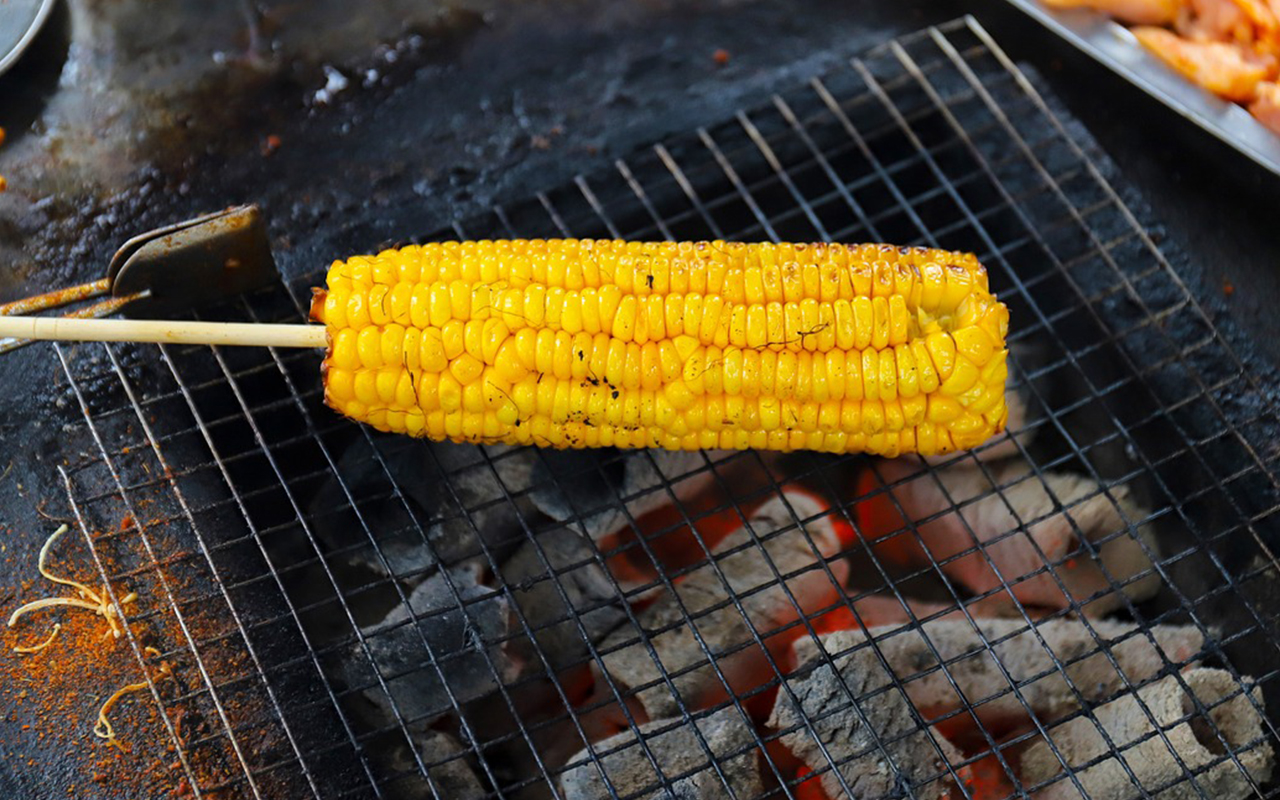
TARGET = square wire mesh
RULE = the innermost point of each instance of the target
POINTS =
(269, 538)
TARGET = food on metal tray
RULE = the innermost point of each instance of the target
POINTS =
(1224, 68)
(1266, 107)
(1137, 12)
(1230, 47)
(582, 343)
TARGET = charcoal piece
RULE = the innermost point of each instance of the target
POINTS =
(465, 652)
(484, 502)
(877, 748)
(566, 596)
(588, 493)
(995, 539)
(437, 482)
(681, 757)
(1197, 744)
(748, 567)
(913, 678)
(451, 775)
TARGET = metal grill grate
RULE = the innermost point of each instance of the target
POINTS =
(267, 537)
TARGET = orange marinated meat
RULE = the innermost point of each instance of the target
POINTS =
(1137, 12)
(1225, 69)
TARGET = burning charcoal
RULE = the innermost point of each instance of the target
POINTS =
(1128, 723)
(565, 595)
(462, 645)
(681, 757)
(1003, 546)
(913, 678)
(919, 754)
(703, 597)
(882, 611)
(437, 481)
(584, 496)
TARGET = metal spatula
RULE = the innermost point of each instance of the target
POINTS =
(170, 270)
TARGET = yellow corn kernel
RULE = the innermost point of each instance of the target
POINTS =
(963, 376)
(863, 323)
(466, 368)
(804, 376)
(339, 385)
(888, 375)
(908, 377)
(343, 352)
(974, 345)
(943, 409)
(942, 351)
(880, 323)
(817, 367)
(369, 346)
(571, 312)
(392, 345)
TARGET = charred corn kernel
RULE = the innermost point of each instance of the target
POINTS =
(574, 343)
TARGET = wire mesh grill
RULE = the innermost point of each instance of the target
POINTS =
(344, 611)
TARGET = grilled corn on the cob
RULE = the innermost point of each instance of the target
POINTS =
(583, 343)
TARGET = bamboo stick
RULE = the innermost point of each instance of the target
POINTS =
(244, 334)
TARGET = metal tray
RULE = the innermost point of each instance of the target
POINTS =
(1113, 45)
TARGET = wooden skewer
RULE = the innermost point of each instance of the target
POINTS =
(245, 334)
